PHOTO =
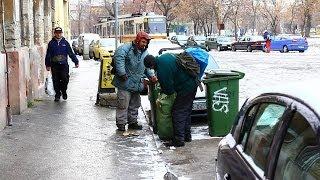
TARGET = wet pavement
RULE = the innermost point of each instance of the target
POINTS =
(75, 139)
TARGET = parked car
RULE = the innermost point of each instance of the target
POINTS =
(104, 46)
(156, 44)
(249, 43)
(195, 41)
(220, 43)
(179, 39)
(91, 47)
(75, 47)
(84, 41)
(276, 135)
(286, 43)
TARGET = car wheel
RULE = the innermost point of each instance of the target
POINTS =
(94, 56)
(249, 49)
(285, 49)
(301, 51)
(233, 48)
(86, 57)
(219, 48)
(207, 48)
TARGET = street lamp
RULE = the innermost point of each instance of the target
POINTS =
(116, 14)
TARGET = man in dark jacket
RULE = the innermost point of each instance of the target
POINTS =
(57, 61)
(174, 79)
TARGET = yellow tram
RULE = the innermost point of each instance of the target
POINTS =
(131, 24)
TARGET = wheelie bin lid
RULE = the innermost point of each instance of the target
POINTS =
(222, 74)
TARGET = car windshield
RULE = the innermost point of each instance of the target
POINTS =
(156, 44)
(107, 42)
(225, 39)
(182, 38)
(199, 38)
(257, 38)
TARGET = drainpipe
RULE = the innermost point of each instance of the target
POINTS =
(8, 109)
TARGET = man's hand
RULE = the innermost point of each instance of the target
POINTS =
(48, 68)
(124, 77)
(153, 79)
(77, 66)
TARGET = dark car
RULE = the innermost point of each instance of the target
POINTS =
(220, 43)
(249, 43)
(275, 136)
(286, 43)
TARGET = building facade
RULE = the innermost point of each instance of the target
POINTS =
(26, 28)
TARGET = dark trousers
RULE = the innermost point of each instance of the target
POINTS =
(181, 115)
(60, 78)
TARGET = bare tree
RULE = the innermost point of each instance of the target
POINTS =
(271, 12)
(167, 7)
(308, 8)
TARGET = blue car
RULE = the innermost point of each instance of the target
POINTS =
(289, 43)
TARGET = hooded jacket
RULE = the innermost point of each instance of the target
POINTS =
(58, 51)
(130, 61)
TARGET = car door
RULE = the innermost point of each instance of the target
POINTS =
(242, 43)
(96, 49)
(298, 154)
(253, 135)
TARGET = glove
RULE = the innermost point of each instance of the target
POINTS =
(154, 79)
(124, 77)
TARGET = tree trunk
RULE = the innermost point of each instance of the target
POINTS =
(168, 24)
(308, 25)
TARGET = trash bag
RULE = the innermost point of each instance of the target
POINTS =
(164, 106)
(49, 85)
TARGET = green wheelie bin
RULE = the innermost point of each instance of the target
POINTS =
(222, 87)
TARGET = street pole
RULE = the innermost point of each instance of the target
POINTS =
(116, 14)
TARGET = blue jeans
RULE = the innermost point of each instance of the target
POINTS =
(181, 115)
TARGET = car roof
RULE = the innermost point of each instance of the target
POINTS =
(306, 92)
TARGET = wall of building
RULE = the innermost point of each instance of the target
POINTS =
(61, 17)
(3, 92)
(28, 28)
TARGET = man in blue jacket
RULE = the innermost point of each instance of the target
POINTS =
(57, 61)
(174, 79)
(129, 80)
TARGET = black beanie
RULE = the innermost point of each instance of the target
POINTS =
(149, 61)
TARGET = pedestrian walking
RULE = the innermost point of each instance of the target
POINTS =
(129, 80)
(57, 62)
(267, 39)
(175, 77)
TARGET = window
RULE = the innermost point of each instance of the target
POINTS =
(129, 27)
(262, 131)
(248, 121)
(299, 156)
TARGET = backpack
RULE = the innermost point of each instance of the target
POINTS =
(194, 61)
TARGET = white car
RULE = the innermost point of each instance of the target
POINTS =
(84, 41)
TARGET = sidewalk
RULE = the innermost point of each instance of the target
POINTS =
(75, 139)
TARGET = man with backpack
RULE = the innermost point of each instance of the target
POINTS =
(129, 77)
(180, 74)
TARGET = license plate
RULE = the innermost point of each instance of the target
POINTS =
(197, 106)
(301, 47)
